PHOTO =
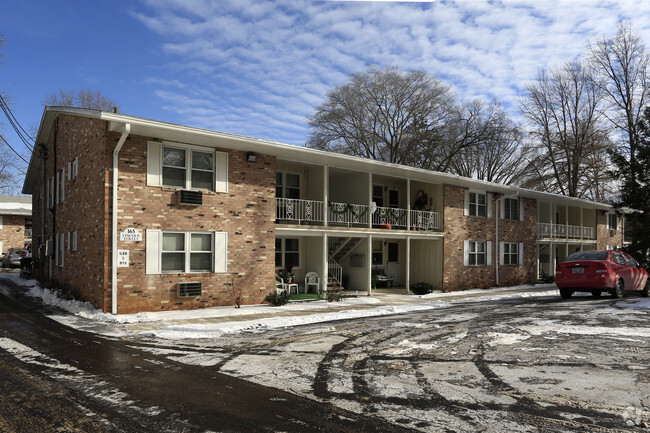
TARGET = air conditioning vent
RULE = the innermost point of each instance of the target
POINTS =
(189, 289)
(194, 198)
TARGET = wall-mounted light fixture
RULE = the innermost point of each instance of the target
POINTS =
(251, 157)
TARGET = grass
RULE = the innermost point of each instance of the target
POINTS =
(303, 296)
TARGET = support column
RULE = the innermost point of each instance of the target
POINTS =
(408, 207)
(325, 264)
(408, 264)
(370, 202)
(326, 193)
(369, 275)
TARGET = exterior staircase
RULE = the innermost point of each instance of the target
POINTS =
(338, 249)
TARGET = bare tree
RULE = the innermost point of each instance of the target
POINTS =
(497, 155)
(562, 108)
(387, 115)
(623, 65)
(91, 99)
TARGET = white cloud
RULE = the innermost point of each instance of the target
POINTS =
(274, 61)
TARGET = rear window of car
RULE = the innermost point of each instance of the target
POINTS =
(587, 255)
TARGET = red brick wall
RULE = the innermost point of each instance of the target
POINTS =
(84, 273)
(246, 213)
(603, 235)
(458, 228)
(12, 233)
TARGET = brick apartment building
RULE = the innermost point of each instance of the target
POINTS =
(15, 222)
(199, 217)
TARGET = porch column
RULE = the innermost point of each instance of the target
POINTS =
(325, 264)
(370, 203)
(408, 212)
(369, 261)
(408, 263)
(326, 193)
(551, 258)
(582, 223)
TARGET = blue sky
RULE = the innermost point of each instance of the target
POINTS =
(259, 68)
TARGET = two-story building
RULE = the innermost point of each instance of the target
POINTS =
(15, 222)
(136, 215)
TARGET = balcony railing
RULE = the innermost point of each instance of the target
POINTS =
(563, 231)
(301, 212)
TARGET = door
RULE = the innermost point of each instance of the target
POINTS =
(393, 264)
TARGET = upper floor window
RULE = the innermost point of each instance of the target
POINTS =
(189, 169)
(186, 167)
(477, 204)
(287, 185)
(612, 221)
(510, 208)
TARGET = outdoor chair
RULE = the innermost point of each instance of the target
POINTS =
(312, 279)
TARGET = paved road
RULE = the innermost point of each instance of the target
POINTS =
(525, 365)
(54, 378)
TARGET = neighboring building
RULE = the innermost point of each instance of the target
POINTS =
(15, 222)
(201, 217)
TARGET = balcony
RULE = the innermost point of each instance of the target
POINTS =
(310, 212)
(564, 231)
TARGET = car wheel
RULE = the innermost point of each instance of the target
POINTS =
(596, 293)
(618, 291)
(646, 288)
(566, 293)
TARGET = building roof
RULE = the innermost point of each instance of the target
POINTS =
(14, 205)
(186, 134)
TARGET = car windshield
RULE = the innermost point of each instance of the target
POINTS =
(587, 255)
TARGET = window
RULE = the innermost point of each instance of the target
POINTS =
(189, 169)
(477, 204)
(186, 167)
(184, 252)
(510, 252)
(75, 167)
(287, 185)
(477, 253)
(378, 195)
(287, 252)
(60, 249)
(612, 221)
(510, 208)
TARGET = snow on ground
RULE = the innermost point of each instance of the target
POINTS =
(216, 321)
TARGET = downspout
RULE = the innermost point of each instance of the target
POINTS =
(116, 151)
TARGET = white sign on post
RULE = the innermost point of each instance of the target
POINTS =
(131, 235)
(122, 258)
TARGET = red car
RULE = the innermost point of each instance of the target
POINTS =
(600, 271)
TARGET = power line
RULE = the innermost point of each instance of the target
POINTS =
(14, 150)
(20, 131)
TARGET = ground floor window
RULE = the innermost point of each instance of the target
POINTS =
(510, 253)
(477, 253)
(287, 252)
(186, 252)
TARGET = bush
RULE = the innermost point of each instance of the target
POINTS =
(277, 299)
(421, 288)
(333, 294)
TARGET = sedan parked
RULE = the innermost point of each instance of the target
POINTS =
(600, 271)
(11, 259)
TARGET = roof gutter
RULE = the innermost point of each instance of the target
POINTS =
(116, 151)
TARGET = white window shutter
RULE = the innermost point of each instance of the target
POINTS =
(502, 208)
(221, 176)
(521, 210)
(488, 252)
(75, 167)
(63, 185)
(57, 184)
(69, 169)
(521, 253)
(1, 222)
(152, 251)
(502, 255)
(220, 252)
(466, 202)
(154, 163)
(465, 253)
(74, 241)
(488, 199)
(68, 241)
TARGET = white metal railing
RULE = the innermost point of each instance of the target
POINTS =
(384, 216)
(563, 231)
(335, 270)
(347, 214)
(425, 220)
(299, 211)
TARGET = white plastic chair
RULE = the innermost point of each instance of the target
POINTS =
(280, 286)
(312, 279)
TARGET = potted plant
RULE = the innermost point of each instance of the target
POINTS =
(286, 274)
